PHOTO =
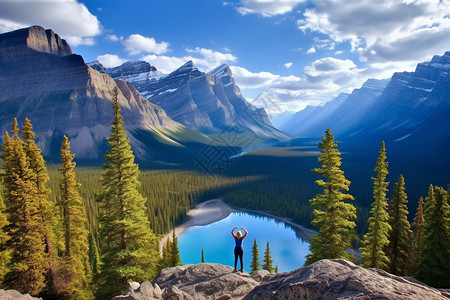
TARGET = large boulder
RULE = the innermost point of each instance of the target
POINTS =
(325, 279)
(206, 281)
(13, 294)
(340, 279)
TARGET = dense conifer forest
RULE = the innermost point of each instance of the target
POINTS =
(81, 225)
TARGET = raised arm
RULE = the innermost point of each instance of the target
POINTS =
(245, 234)
(232, 232)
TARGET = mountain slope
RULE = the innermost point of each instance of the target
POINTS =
(208, 102)
(343, 115)
(43, 80)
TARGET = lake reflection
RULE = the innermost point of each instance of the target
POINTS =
(288, 250)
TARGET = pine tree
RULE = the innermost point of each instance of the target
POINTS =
(29, 259)
(376, 239)
(276, 269)
(94, 259)
(434, 258)
(399, 248)
(48, 210)
(76, 269)
(332, 215)
(129, 248)
(175, 259)
(267, 262)
(166, 258)
(255, 258)
(203, 257)
(4, 252)
(419, 234)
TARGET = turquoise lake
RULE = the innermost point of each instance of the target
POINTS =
(288, 250)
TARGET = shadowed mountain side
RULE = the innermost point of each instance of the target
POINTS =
(41, 79)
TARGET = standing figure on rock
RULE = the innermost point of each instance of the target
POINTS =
(238, 251)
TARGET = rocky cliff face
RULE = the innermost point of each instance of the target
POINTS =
(208, 102)
(326, 279)
(41, 79)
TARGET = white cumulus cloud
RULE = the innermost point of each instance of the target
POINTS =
(267, 8)
(311, 50)
(246, 79)
(112, 37)
(385, 31)
(68, 18)
(136, 44)
(213, 58)
(110, 60)
(288, 65)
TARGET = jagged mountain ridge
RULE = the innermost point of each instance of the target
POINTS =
(208, 102)
(399, 109)
(43, 80)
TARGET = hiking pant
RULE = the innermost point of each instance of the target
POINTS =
(238, 252)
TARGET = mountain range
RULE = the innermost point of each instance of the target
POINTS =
(410, 111)
(205, 102)
(42, 79)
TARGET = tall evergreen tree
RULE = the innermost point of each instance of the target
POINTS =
(76, 268)
(255, 258)
(48, 210)
(400, 236)
(434, 258)
(276, 269)
(175, 259)
(332, 215)
(94, 259)
(203, 257)
(129, 248)
(376, 239)
(267, 262)
(166, 258)
(29, 259)
(4, 252)
(419, 234)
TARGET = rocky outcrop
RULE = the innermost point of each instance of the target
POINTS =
(15, 295)
(340, 279)
(325, 279)
(200, 281)
(41, 79)
(207, 280)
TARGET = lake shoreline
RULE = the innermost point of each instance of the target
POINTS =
(214, 210)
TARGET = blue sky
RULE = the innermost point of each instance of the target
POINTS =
(296, 52)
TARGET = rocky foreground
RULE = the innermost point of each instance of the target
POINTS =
(326, 279)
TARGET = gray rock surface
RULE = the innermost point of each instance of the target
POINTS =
(207, 281)
(144, 291)
(326, 279)
(13, 294)
(340, 279)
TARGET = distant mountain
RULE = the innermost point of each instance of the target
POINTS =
(344, 115)
(410, 112)
(41, 78)
(208, 102)
(410, 108)
(279, 119)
